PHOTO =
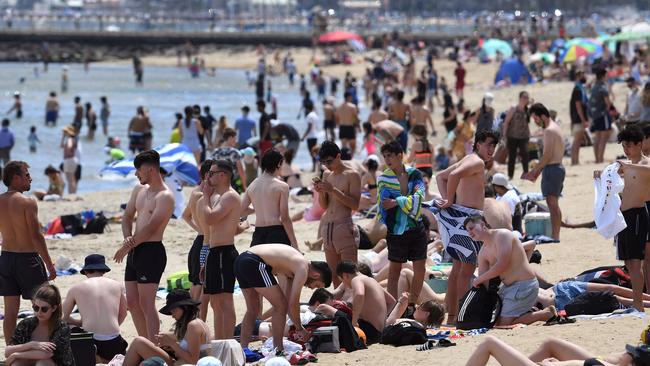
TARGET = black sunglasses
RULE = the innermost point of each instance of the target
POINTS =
(40, 309)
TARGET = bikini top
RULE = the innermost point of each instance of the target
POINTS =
(184, 345)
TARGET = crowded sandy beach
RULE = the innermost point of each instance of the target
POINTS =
(432, 166)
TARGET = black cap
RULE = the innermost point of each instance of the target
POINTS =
(95, 262)
(176, 298)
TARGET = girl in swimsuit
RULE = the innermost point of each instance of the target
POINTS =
(189, 341)
(421, 155)
(369, 183)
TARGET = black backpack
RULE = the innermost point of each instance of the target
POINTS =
(479, 308)
(348, 338)
(97, 224)
(592, 303)
(72, 224)
(404, 333)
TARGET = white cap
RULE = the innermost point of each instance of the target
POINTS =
(277, 361)
(500, 179)
(274, 122)
(208, 361)
(373, 157)
(489, 98)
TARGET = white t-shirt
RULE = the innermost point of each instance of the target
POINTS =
(607, 203)
(314, 120)
(634, 106)
(512, 198)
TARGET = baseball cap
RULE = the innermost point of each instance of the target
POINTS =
(500, 179)
(489, 98)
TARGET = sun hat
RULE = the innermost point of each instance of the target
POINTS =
(489, 98)
(95, 262)
(176, 298)
(500, 179)
(70, 130)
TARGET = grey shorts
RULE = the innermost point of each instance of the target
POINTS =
(553, 180)
(518, 298)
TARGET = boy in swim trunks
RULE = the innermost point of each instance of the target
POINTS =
(339, 194)
(503, 256)
(153, 201)
(401, 192)
(347, 119)
(255, 269)
(270, 199)
(463, 184)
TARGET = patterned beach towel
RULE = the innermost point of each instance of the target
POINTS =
(455, 238)
(406, 215)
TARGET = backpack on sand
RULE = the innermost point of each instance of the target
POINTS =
(479, 308)
(592, 303)
(404, 333)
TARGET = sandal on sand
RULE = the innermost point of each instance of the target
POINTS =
(431, 344)
(558, 319)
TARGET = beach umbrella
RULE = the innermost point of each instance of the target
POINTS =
(491, 46)
(558, 43)
(581, 48)
(546, 57)
(176, 158)
(339, 36)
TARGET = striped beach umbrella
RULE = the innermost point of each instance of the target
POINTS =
(176, 158)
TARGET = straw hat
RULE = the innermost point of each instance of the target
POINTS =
(70, 130)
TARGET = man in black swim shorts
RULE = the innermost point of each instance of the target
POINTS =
(154, 203)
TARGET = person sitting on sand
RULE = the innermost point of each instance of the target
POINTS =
(503, 256)
(255, 269)
(55, 189)
(43, 339)
(102, 306)
(553, 351)
(368, 306)
(186, 344)
(429, 314)
(564, 292)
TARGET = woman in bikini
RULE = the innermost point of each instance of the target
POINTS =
(421, 155)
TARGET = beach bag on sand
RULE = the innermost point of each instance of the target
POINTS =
(72, 224)
(97, 224)
(592, 303)
(613, 275)
(479, 308)
(404, 333)
(179, 280)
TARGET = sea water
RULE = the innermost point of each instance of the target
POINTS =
(166, 91)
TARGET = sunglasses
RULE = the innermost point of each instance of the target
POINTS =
(40, 309)
(213, 172)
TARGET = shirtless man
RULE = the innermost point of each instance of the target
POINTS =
(347, 119)
(400, 112)
(147, 258)
(24, 255)
(270, 198)
(387, 131)
(70, 162)
(503, 256)
(221, 206)
(329, 119)
(255, 270)
(199, 251)
(400, 194)
(78, 114)
(463, 183)
(631, 242)
(550, 165)
(138, 128)
(51, 110)
(339, 194)
(368, 305)
(377, 114)
(420, 114)
(102, 306)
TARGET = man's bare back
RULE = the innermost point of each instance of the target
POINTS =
(374, 305)
(377, 116)
(346, 114)
(101, 303)
(398, 111)
(284, 259)
(420, 115)
(497, 214)
(266, 193)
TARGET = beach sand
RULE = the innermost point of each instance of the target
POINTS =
(579, 250)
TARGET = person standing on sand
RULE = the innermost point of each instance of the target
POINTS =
(347, 119)
(550, 165)
(462, 187)
(400, 195)
(579, 115)
(69, 144)
(421, 115)
(400, 112)
(146, 261)
(198, 253)
(377, 114)
(460, 73)
(599, 105)
(329, 119)
(631, 242)
(515, 129)
(270, 198)
(255, 270)
(24, 257)
(339, 193)
(102, 306)
(51, 110)
(221, 206)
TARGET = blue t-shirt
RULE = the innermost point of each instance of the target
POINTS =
(244, 127)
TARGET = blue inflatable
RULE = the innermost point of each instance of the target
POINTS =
(515, 70)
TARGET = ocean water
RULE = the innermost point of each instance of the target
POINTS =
(166, 90)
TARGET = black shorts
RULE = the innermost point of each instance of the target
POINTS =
(194, 260)
(252, 272)
(372, 334)
(270, 235)
(146, 263)
(21, 274)
(219, 270)
(347, 132)
(329, 124)
(311, 143)
(410, 246)
(553, 180)
(630, 243)
(109, 349)
(603, 123)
